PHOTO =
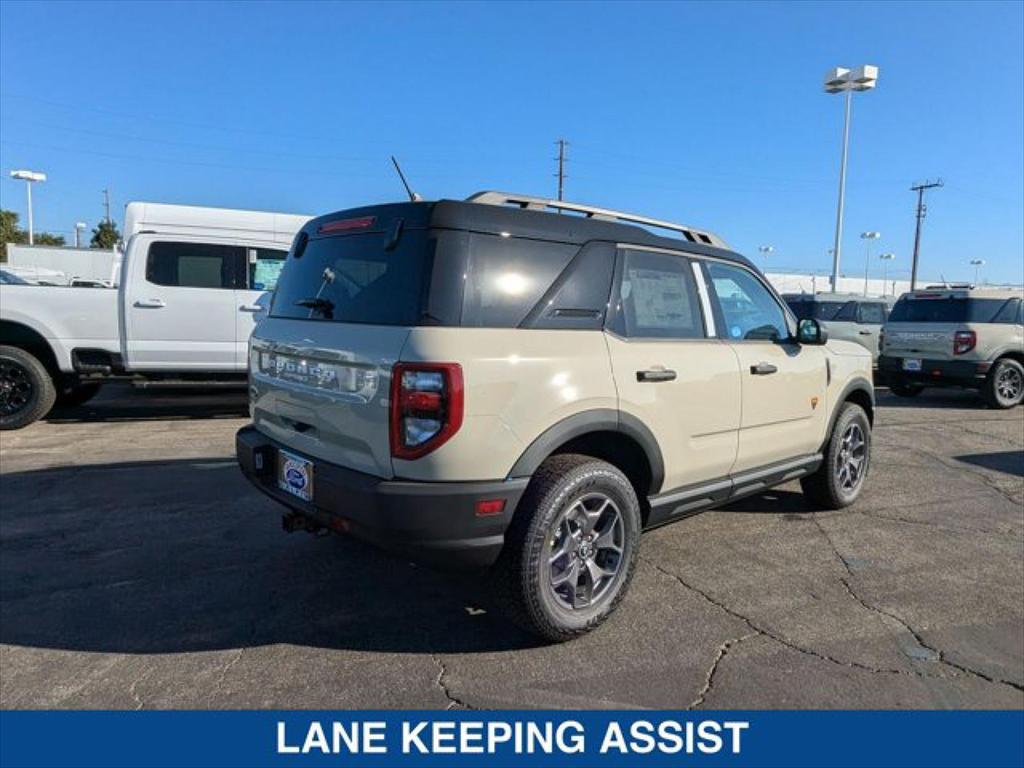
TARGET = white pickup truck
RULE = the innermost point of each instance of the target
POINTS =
(189, 289)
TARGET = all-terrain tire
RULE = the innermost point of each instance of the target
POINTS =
(26, 389)
(525, 570)
(828, 488)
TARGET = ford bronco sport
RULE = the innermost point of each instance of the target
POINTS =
(846, 316)
(961, 337)
(527, 384)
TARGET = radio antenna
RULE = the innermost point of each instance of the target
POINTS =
(408, 190)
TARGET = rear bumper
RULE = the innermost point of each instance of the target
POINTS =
(433, 522)
(934, 373)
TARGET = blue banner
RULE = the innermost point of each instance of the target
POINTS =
(496, 739)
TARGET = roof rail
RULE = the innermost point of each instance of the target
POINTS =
(593, 212)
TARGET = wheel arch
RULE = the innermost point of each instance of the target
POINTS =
(859, 391)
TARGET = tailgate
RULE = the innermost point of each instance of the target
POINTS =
(322, 389)
(933, 341)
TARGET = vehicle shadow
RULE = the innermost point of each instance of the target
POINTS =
(773, 502)
(1007, 462)
(936, 397)
(180, 556)
(123, 402)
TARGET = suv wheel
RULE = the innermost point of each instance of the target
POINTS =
(571, 549)
(26, 389)
(1004, 387)
(906, 390)
(839, 480)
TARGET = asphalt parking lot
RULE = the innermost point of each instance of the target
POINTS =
(139, 570)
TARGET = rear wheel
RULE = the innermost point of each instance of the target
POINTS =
(839, 480)
(1004, 387)
(906, 390)
(26, 389)
(571, 549)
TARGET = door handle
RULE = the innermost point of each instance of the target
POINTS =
(151, 303)
(864, 333)
(250, 308)
(763, 369)
(655, 375)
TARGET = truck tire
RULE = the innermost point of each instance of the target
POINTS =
(1004, 387)
(839, 480)
(26, 389)
(571, 549)
(76, 394)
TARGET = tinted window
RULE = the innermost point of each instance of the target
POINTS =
(871, 313)
(356, 279)
(847, 313)
(192, 265)
(506, 277)
(658, 297)
(265, 266)
(945, 310)
(816, 310)
(748, 308)
(1010, 313)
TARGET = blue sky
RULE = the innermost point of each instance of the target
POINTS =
(712, 115)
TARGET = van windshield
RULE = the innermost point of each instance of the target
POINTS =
(355, 279)
(945, 310)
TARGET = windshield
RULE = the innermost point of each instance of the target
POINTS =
(356, 279)
(945, 310)
(815, 310)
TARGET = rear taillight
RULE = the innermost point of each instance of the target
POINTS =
(426, 407)
(964, 341)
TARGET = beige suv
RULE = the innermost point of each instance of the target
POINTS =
(956, 337)
(493, 383)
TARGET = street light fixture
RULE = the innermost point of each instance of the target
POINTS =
(867, 237)
(766, 249)
(79, 226)
(978, 264)
(30, 178)
(886, 258)
(843, 80)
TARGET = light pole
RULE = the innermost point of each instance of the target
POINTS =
(867, 237)
(766, 249)
(886, 258)
(30, 178)
(79, 226)
(843, 80)
(978, 264)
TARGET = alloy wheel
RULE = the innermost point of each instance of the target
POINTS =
(585, 551)
(16, 388)
(1009, 384)
(851, 461)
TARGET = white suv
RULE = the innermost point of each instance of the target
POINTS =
(490, 383)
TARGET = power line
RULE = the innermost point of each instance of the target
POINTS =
(921, 212)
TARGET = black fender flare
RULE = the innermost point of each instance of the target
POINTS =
(856, 384)
(596, 420)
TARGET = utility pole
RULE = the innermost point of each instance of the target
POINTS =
(562, 144)
(921, 211)
(106, 205)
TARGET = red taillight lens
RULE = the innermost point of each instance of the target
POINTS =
(964, 341)
(488, 507)
(426, 407)
(344, 225)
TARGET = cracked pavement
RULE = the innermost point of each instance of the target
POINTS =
(139, 570)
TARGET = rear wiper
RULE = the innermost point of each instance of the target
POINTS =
(317, 304)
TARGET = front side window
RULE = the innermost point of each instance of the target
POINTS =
(658, 297)
(872, 313)
(265, 266)
(817, 310)
(749, 310)
(192, 265)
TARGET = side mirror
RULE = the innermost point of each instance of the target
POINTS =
(811, 333)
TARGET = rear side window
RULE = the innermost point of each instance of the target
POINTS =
(192, 265)
(847, 313)
(814, 310)
(658, 297)
(1010, 314)
(356, 278)
(506, 277)
(945, 310)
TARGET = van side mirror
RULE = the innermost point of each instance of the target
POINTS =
(811, 333)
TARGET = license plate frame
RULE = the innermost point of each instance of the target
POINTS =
(912, 364)
(295, 475)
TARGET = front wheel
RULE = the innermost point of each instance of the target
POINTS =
(26, 389)
(1004, 387)
(839, 480)
(571, 549)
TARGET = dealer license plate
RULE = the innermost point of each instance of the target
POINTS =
(911, 364)
(295, 475)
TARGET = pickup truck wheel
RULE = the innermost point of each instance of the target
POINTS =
(839, 480)
(26, 389)
(76, 394)
(1004, 387)
(571, 550)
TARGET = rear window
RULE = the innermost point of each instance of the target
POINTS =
(815, 310)
(356, 279)
(945, 310)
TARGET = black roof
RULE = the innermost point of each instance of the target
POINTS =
(517, 222)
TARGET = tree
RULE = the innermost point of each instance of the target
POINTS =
(105, 235)
(45, 238)
(10, 232)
